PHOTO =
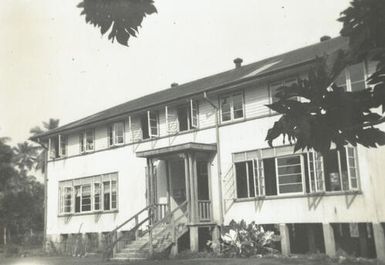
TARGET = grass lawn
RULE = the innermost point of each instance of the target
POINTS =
(209, 261)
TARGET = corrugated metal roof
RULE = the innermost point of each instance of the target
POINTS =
(253, 70)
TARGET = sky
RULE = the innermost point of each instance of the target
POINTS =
(54, 65)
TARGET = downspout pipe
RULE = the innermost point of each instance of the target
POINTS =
(219, 167)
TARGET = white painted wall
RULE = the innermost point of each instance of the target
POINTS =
(366, 207)
(241, 136)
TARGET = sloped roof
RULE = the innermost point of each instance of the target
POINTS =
(233, 76)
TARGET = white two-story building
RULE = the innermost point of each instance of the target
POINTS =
(173, 167)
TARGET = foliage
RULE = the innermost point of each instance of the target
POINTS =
(21, 196)
(25, 155)
(42, 152)
(123, 17)
(242, 240)
(327, 114)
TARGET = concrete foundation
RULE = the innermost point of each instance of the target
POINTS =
(194, 239)
(379, 240)
(330, 244)
(285, 239)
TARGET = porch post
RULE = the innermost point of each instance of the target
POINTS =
(148, 182)
(194, 240)
(168, 170)
(193, 188)
(187, 182)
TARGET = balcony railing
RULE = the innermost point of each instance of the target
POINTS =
(204, 210)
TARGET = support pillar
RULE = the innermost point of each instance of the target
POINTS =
(174, 250)
(215, 235)
(194, 239)
(330, 243)
(285, 239)
(118, 245)
(379, 241)
(85, 242)
(311, 238)
(100, 241)
(363, 238)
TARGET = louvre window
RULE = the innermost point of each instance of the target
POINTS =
(98, 193)
(278, 171)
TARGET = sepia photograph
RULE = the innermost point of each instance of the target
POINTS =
(216, 132)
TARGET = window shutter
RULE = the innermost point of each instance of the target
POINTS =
(194, 113)
(61, 200)
(50, 149)
(351, 160)
(81, 143)
(60, 144)
(129, 137)
(260, 177)
(110, 135)
(319, 172)
(316, 172)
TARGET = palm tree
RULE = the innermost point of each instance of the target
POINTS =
(41, 152)
(25, 155)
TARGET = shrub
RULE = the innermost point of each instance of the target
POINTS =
(242, 240)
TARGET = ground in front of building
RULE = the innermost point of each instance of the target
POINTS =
(300, 260)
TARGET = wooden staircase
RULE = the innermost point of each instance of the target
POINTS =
(161, 234)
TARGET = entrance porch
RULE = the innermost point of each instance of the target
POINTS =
(178, 181)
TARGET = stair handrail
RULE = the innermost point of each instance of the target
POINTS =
(163, 220)
(170, 214)
(110, 245)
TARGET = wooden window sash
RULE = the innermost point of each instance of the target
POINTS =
(193, 114)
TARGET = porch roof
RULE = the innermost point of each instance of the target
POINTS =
(177, 148)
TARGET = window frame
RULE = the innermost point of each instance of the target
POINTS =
(281, 82)
(231, 102)
(150, 119)
(83, 136)
(303, 175)
(318, 172)
(348, 82)
(111, 134)
(75, 187)
(53, 147)
(63, 145)
(192, 115)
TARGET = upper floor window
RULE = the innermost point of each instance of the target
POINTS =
(188, 116)
(116, 134)
(276, 85)
(272, 173)
(352, 78)
(232, 107)
(57, 146)
(63, 140)
(150, 125)
(86, 140)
